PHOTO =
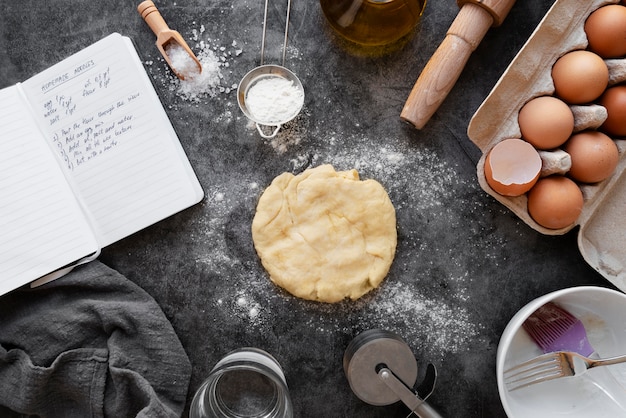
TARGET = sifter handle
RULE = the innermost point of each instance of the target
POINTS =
(445, 66)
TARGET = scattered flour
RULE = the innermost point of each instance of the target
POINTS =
(429, 325)
(434, 323)
(290, 133)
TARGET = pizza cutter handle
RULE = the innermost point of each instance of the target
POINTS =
(417, 405)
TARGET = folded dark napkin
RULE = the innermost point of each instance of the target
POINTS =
(90, 344)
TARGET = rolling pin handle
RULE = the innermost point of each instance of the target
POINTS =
(447, 63)
(498, 9)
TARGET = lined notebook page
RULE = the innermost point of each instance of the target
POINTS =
(113, 139)
(42, 227)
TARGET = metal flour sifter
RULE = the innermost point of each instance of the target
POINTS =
(288, 97)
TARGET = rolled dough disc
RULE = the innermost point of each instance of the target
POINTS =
(325, 235)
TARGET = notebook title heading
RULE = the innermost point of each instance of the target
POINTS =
(67, 76)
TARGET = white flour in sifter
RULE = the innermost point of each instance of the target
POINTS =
(274, 99)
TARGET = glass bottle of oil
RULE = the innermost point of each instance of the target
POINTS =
(373, 22)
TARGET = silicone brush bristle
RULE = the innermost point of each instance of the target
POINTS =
(555, 329)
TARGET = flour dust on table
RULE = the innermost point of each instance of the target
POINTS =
(291, 134)
(435, 324)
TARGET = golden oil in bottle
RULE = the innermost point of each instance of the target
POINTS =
(373, 22)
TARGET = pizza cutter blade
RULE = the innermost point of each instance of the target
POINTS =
(381, 370)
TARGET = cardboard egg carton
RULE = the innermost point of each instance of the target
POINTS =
(602, 234)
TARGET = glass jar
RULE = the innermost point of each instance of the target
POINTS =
(373, 22)
(249, 383)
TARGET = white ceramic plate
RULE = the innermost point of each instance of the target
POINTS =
(603, 312)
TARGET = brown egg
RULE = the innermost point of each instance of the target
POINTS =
(606, 31)
(594, 156)
(555, 202)
(512, 167)
(546, 122)
(580, 77)
(614, 100)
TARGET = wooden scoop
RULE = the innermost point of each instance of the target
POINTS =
(445, 66)
(165, 35)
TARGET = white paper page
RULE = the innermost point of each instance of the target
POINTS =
(42, 226)
(114, 139)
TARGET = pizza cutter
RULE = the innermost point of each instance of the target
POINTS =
(382, 370)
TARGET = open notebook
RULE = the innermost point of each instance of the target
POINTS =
(88, 156)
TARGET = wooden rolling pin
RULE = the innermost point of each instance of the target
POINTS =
(445, 66)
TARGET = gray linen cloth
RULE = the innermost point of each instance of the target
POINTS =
(90, 344)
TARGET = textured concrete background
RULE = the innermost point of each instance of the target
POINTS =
(464, 263)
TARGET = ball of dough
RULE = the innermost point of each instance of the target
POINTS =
(325, 235)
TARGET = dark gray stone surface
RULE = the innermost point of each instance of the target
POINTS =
(464, 263)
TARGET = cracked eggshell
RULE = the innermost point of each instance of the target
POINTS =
(512, 167)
